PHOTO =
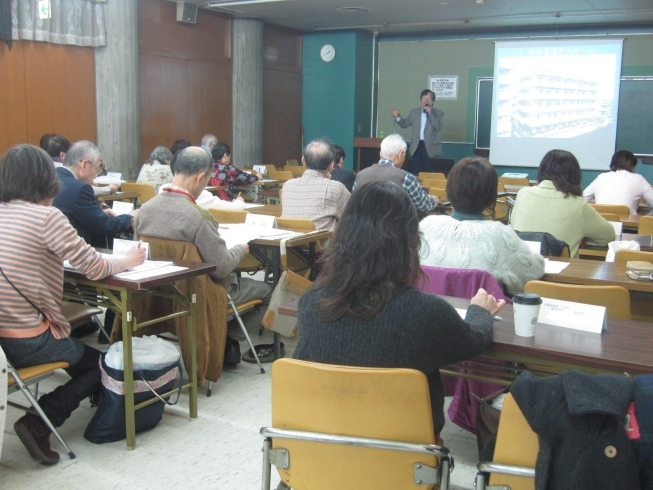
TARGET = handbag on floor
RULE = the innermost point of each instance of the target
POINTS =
(108, 423)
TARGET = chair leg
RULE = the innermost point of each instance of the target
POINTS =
(104, 332)
(242, 327)
(267, 469)
(35, 405)
(209, 389)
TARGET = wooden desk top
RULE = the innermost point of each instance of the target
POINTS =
(627, 346)
(118, 196)
(596, 273)
(193, 269)
(304, 239)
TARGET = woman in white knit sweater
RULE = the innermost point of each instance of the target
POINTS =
(467, 240)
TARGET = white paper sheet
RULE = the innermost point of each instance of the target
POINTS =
(121, 208)
(554, 267)
(159, 271)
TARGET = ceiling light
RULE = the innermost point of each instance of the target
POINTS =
(227, 3)
(352, 10)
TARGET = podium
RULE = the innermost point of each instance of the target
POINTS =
(367, 152)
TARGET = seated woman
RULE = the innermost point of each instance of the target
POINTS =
(556, 205)
(156, 171)
(621, 185)
(363, 310)
(36, 238)
(468, 240)
(225, 174)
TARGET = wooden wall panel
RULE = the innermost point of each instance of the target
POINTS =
(160, 33)
(60, 91)
(164, 108)
(282, 95)
(13, 118)
(209, 101)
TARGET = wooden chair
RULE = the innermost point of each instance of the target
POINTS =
(300, 225)
(514, 182)
(225, 216)
(145, 191)
(428, 183)
(645, 225)
(293, 162)
(440, 192)
(610, 217)
(281, 175)
(618, 209)
(515, 452)
(271, 168)
(295, 170)
(352, 427)
(623, 256)
(22, 379)
(616, 299)
(431, 176)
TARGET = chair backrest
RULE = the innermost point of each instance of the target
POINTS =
(378, 403)
(211, 308)
(439, 192)
(460, 283)
(610, 216)
(292, 161)
(295, 224)
(431, 176)
(616, 299)
(618, 209)
(145, 191)
(281, 175)
(516, 444)
(295, 170)
(628, 255)
(515, 182)
(428, 183)
(271, 168)
(224, 216)
(645, 225)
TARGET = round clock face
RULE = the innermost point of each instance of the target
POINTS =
(328, 52)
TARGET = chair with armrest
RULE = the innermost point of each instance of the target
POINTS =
(352, 427)
(609, 216)
(439, 192)
(641, 307)
(514, 182)
(295, 170)
(293, 162)
(515, 452)
(428, 183)
(281, 175)
(145, 191)
(623, 256)
(271, 168)
(21, 379)
(645, 226)
(618, 209)
(616, 299)
(230, 216)
(431, 176)
(299, 225)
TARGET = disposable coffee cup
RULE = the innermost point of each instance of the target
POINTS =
(527, 308)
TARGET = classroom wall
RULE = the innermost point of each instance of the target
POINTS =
(337, 95)
(405, 62)
(46, 88)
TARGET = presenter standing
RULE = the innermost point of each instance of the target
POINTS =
(427, 122)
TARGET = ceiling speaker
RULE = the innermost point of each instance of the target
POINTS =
(186, 12)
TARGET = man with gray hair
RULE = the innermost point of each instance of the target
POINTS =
(174, 215)
(78, 202)
(209, 140)
(393, 154)
(314, 195)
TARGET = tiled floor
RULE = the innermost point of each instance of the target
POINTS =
(219, 450)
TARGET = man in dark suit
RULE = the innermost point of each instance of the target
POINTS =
(77, 201)
(427, 122)
(345, 177)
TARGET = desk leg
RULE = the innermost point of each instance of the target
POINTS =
(192, 338)
(276, 275)
(127, 329)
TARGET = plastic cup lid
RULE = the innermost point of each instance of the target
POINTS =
(527, 299)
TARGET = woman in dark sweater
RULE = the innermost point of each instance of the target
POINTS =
(363, 310)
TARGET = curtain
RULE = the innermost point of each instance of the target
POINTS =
(77, 22)
(5, 21)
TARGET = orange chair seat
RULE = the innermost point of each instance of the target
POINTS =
(33, 371)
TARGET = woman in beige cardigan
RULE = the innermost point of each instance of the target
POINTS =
(556, 205)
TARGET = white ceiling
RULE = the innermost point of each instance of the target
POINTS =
(410, 16)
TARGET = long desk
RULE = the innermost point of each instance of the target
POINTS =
(626, 346)
(120, 196)
(118, 294)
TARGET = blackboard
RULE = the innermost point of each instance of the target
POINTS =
(634, 120)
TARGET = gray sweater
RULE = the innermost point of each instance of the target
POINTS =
(415, 330)
(174, 217)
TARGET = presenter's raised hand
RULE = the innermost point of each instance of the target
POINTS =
(395, 113)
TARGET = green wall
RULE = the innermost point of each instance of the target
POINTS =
(336, 96)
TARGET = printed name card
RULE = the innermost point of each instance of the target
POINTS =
(260, 220)
(578, 316)
(115, 175)
(120, 207)
(262, 169)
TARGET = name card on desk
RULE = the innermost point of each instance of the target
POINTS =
(262, 169)
(261, 220)
(121, 208)
(578, 316)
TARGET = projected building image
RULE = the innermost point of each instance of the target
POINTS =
(549, 104)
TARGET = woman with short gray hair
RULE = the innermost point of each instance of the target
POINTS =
(156, 171)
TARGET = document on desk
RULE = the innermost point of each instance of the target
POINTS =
(134, 275)
(106, 180)
(249, 205)
(239, 233)
(554, 267)
(121, 208)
